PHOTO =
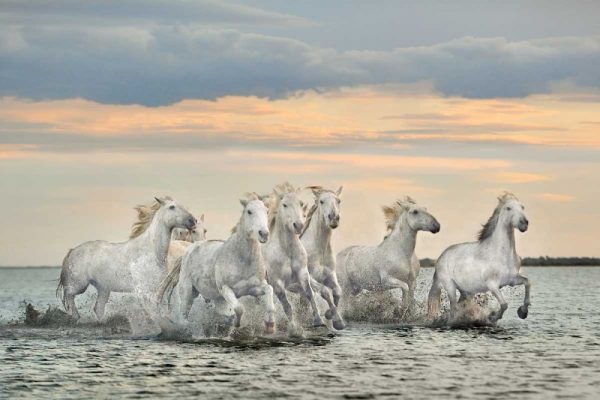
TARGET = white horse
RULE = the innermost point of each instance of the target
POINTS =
(181, 239)
(225, 271)
(392, 264)
(323, 217)
(486, 265)
(135, 265)
(284, 253)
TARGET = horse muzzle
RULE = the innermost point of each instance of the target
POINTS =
(263, 236)
(298, 226)
(436, 228)
(191, 224)
(523, 225)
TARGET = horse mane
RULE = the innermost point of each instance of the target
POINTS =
(489, 227)
(248, 196)
(317, 190)
(145, 215)
(393, 213)
(275, 199)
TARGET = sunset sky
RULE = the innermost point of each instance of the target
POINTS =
(105, 104)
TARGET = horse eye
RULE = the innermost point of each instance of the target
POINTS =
(321, 201)
(285, 206)
(508, 208)
(171, 207)
(205, 231)
(249, 212)
(415, 212)
(301, 204)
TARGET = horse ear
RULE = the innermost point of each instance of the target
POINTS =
(339, 191)
(160, 201)
(202, 218)
(244, 202)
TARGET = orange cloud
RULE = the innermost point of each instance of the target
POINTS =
(556, 197)
(520, 177)
(365, 114)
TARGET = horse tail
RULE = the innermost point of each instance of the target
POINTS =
(63, 279)
(168, 284)
(435, 297)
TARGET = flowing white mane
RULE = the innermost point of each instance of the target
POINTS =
(489, 227)
(145, 215)
(393, 213)
(317, 190)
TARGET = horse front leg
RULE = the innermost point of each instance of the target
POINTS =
(233, 302)
(332, 313)
(304, 279)
(336, 289)
(389, 282)
(524, 309)
(264, 290)
(279, 290)
(408, 296)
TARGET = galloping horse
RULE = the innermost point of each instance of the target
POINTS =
(486, 265)
(284, 253)
(224, 271)
(134, 265)
(392, 264)
(323, 217)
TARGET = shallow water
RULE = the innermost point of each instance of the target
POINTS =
(554, 353)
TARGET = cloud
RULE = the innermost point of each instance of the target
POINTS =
(112, 12)
(520, 177)
(556, 197)
(156, 63)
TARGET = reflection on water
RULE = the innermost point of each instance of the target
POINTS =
(554, 353)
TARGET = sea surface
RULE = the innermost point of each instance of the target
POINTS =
(555, 353)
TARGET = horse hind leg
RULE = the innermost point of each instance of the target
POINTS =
(69, 303)
(497, 315)
(524, 309)
(101, 300)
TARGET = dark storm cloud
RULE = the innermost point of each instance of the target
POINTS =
(159, 63)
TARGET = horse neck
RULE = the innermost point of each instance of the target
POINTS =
(246, 247)
(319, 232)
(502, 237)
(288, 240)
(158, 237)
(402, 238)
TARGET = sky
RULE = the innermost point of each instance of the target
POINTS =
(105, 104)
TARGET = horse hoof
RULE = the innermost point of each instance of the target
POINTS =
(522, 312)
(269, 328)
(295, 332)
(329, 314)
(318, 322)
(339, 324)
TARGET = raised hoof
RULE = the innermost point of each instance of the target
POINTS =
(329, 314)
(318, 322)
(269, 328)
(339, 324)
(522, 312)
